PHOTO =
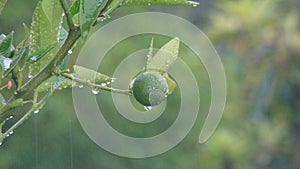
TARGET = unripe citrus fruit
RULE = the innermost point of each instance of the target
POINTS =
(149, 88)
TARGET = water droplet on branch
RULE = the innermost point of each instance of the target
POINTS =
(147, 108)
(36, 111)
(95, 91)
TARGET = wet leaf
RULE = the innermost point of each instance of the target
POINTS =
(90, 75)
(5, 64)
(75, 7)
(166, 56)
(15, 103)
(159, 2)
(34, 57)
(89, 11)
(171, 83)
(6, 44)
(44, 29)
(11, 63)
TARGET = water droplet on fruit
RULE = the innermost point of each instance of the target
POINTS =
(147, 108)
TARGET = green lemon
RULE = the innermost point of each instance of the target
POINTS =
(149, 88)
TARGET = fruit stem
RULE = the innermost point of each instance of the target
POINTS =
(93, 85)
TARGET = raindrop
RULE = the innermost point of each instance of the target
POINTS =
(194, 5)
(149, 4)
(29, 76)
(73, 83)
(0, 143)
(95, 91)
(70, 51)
(103, 84)
(7, 135)
(11, 132)
(80, 86)
(108, 83)
(36, 111)
(147, 108)
(11, 117)
(113, 80)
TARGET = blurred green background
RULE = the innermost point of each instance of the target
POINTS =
(259, 44)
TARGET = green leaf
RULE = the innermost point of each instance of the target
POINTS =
(166, 56)
(21, 53)
(2, 4)
(44, 29)
(34, 57)
(15, 103)
(171, 83)
(74, 10)
(160, 2)
(90, 75)
(6, 44)
(5, 64)
(89, 11)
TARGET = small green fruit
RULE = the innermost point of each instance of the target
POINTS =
(149, 88)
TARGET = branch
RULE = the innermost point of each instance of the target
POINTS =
(48, 69)
(127, 92)
(24, 118)
(68, 14)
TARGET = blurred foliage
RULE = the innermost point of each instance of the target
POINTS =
(259, 45)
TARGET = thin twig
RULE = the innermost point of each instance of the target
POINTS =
(122, 91)
(24, 118)
(68, 14)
